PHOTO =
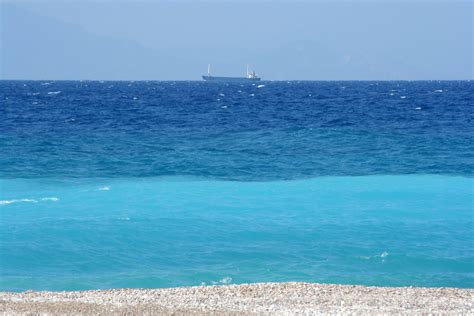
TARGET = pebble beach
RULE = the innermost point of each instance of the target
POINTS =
(257, 298)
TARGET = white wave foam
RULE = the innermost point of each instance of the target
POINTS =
(224, 106)
(222, 94)
(252, 94)
(54, 92)
(104, 188)
(225, 280)
(438, 90)
(260, 86)
(4, 202)
(54, 199)
(383, 255)
(403, 97)
(418, 108)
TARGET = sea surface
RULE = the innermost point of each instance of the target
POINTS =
(107, 184)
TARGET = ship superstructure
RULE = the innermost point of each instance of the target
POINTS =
(250, 76)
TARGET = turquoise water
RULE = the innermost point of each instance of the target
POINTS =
(163, 232)
(108, 184)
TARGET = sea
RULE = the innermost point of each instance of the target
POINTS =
(152, 184)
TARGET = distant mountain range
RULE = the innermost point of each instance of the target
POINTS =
(37, 47)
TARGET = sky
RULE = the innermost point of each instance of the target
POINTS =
(280, 40)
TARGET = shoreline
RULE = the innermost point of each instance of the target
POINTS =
(260, 298)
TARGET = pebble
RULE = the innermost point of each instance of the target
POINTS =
(292, 298)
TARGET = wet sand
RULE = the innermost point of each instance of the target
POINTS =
(260, 298)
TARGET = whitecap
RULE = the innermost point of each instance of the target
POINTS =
(418, 108)
(225, 280)
(251, 94)
(54, 92)
(391, 93)
(382, 256)
(34, 103)
(104, 188)
(224, 107)
(4, 202)
(46, 83)
(438, 90)
(403, 97)
(135, 98)
(239, 91)
(54, 199)
(126, 218)
(260, 86)
(222, 94)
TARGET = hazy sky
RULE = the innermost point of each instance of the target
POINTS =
(321, 40)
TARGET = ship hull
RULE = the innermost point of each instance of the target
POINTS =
(232, 79)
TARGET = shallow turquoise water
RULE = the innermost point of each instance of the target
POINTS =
(163, 232)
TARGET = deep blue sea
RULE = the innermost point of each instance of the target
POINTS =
(107, 184)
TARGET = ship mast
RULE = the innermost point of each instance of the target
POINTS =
(247, 70)
(209, 69)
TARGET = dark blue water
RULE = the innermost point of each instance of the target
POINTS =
(284, 130)
(161, 184)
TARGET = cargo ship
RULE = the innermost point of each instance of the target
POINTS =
(251, 76)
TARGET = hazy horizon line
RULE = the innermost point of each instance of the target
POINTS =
(263, 80)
